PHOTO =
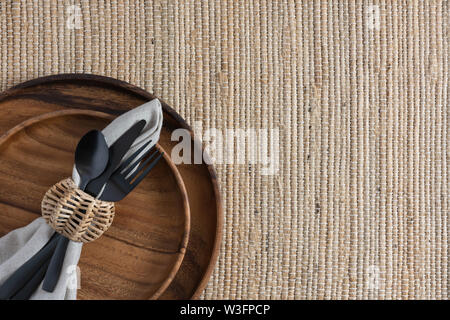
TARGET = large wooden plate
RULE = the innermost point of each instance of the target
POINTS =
(48, 94)
(142, 251)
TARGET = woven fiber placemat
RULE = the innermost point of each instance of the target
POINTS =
(358, 91)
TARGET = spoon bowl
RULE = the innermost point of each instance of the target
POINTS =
(91, 157)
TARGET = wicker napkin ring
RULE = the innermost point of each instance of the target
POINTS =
(76, 214)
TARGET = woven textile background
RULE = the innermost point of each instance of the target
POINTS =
(359, 92)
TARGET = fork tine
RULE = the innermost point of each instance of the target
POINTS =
(138, 169)
(132, 168)
(150, 167)
(127, 162)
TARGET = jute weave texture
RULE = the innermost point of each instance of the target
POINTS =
(358, 90)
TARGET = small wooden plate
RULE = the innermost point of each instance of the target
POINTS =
(66, 91)
(139, 255)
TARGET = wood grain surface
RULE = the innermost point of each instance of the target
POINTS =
(141, 252)
(106, 95)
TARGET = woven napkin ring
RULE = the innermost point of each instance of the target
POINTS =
(76, 214)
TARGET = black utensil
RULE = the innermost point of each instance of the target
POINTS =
(26, 272)
(54, 266)
(116, 152)
(31, 286)
(91, 159)
(128, 175)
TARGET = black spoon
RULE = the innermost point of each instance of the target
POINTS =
(91, 159)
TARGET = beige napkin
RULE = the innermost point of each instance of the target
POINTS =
(21, 244)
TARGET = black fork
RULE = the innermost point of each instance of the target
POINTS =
(130, 173)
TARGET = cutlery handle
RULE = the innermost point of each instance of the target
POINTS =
(55, 266)
(22, 275)
(83, 183)
(32, 285)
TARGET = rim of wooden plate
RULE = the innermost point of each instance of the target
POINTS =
(178, 178)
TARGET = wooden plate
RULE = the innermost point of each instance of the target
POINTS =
(142, 251)
(48, 94)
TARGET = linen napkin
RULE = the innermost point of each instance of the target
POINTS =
(21, 244)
